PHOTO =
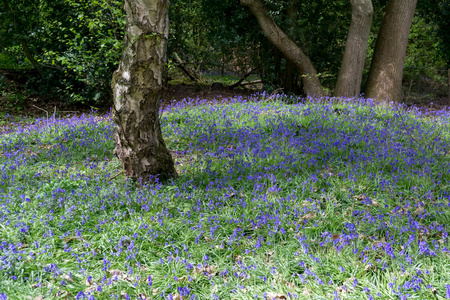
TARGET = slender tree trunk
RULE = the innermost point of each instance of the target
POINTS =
(289, 49)
(350, 74)
(384, 83)
(136, 85)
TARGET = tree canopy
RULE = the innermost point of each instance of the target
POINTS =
(78, 43)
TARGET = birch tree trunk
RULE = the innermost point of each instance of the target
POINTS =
(136, 85)
(350, 74)
(290, 50)
(384, 83)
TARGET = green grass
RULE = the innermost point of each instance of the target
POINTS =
(307, 201)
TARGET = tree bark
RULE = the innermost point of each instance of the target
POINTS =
(350, 74)
(384, 83)
(289, 49)
(136, 85)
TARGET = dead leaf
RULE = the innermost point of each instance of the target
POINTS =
(368, 267)
(273, 296)
(62, 294)
(115, 272)
(205, 270)
(290, 285)
(66, 277)
(420, 210)
(309, 216)
(143, 296)
(360, 197)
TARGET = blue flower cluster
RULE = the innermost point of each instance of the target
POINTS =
(321, 199)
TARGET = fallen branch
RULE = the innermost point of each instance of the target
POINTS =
(42, 110)
(251, 82)
(239, 82)
(182, 66)
(121, 172)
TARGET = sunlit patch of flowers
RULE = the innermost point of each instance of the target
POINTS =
(321, 199)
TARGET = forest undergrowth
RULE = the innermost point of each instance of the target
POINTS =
(277, 199)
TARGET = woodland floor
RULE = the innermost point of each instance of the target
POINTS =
(44, 106)
(39, 106)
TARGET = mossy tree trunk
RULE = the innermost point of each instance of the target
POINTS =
(136, 86)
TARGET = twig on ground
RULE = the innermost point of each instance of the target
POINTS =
(42, 110)
(121, 172)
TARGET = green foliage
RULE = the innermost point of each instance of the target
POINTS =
(437, 13)
(8, 62)
(92, 41)
(424, 73)
(77, 42)
(12, 99)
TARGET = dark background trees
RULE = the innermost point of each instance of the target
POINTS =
(77, 44)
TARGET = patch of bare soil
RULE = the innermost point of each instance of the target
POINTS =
(14, 100)
(428, 104)
(199, 91)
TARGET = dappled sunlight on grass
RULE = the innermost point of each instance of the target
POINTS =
(322, 199)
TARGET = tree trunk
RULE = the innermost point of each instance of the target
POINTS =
(350, 74)
(136, 85)
(289, 49)
(384, 83)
